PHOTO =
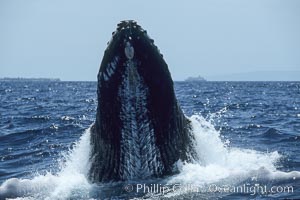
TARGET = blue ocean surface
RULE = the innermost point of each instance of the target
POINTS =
(247, 137)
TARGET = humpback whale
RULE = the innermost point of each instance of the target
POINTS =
(140, 130)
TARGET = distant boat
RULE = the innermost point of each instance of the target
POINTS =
(195, 79)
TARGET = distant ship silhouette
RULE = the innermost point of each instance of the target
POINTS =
(195, 79)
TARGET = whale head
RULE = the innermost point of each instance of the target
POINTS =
(140, 131)
(131, 43)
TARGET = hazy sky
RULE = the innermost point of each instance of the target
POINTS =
(66, 39)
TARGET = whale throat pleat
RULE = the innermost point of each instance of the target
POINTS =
(140, 156)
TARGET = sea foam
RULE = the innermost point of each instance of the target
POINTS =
(217, 163)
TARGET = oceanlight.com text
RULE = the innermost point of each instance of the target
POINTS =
(251, 189)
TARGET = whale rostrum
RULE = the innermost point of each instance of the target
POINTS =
(140, 130)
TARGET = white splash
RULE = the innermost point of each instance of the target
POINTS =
(218, 162)
(70, 181)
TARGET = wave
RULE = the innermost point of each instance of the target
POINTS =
(217, 163)
(272, 133)
(71, 180)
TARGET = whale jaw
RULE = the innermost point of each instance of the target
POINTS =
(140, 130)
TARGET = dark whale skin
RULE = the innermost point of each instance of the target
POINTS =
(153, 102)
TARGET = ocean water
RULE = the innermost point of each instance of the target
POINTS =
(247, 137)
